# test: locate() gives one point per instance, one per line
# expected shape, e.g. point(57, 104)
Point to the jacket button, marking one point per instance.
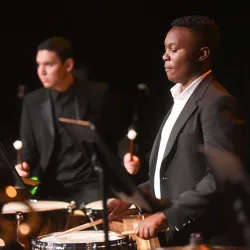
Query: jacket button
point(164, 178)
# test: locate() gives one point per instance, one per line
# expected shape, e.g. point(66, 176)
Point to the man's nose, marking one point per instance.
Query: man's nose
point(165, 57)
point(42, 71)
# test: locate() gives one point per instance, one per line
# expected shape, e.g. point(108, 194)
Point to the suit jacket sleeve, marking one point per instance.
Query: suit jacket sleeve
point(222, 128)
point(29, 149)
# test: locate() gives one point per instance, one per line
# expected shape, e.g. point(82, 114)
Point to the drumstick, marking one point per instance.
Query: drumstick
point(78, 228)
point(18, 146)
point(73, 121)
point(131, 232)
point(131, 136)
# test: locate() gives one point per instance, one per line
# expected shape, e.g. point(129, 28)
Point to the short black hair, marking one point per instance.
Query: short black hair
point(204, 27)
point(60, 45)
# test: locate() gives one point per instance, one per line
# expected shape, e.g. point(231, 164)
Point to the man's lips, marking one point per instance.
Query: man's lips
point(168, 69)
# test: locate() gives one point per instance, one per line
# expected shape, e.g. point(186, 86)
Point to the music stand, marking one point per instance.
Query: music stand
point(10, 174)
point(10, 177)
point(112, 172)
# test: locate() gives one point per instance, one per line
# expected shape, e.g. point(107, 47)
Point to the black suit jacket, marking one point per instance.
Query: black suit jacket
point(211, 117)
point(37, 129)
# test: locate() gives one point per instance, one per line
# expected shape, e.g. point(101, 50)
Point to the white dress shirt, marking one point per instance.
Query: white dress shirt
point(180, 98)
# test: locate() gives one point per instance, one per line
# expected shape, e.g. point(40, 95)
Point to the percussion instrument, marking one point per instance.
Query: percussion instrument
point(130, 222)
point(53, 215)
point(97, 205)
point(37, 206)
point(95, 208)
point(94, 211)
point(82, 240)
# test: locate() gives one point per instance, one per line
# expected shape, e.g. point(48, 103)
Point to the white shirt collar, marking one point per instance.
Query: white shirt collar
point(177, 92)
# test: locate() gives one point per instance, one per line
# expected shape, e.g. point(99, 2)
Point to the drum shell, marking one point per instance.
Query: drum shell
point(42, 217)
point(130, 222)
point(81, 240)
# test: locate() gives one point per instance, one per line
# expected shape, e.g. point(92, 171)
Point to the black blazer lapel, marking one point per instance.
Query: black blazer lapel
point(46, 110)
point(47, 115)
point(187, 111)
point(181, 120)
point(155, 148)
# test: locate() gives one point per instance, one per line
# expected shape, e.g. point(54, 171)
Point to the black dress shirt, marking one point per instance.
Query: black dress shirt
point(70, 168)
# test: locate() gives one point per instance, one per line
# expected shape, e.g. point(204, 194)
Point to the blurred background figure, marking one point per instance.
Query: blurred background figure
point(22, 91)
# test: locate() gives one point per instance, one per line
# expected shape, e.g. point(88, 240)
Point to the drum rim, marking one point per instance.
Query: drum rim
point(37, 242)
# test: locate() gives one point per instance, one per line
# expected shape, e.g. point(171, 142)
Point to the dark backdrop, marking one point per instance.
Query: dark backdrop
point(120, 42)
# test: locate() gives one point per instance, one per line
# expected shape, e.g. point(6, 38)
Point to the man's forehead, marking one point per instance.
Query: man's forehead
point(46, 55)
point(177, 35)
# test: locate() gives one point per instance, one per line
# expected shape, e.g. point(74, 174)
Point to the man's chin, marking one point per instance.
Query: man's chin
point(47, 85)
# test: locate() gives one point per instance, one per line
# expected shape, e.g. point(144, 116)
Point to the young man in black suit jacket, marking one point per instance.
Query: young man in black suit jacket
point(203, 114)
point(48, 152)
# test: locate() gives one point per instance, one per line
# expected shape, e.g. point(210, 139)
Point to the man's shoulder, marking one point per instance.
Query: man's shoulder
point(35, 95)
point(217, 96)
point(215, 91)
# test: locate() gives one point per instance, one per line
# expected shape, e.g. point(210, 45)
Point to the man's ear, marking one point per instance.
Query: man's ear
point(69, 64)
point(204, 53)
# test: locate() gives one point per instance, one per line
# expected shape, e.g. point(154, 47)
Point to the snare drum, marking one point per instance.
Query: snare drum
point(40, 217)
point(52, 215)
point(82, 240)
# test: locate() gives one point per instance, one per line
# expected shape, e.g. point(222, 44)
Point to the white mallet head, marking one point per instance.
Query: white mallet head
point(17, 145)
point(131, 134)
point(142, 86)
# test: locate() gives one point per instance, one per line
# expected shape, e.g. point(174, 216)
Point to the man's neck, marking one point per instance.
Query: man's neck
point(193, 78)
point(66, 84)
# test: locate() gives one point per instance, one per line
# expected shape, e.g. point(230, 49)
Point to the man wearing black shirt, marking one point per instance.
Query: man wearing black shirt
point(65, 172)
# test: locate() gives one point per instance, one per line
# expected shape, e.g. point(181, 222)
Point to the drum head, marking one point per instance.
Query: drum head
point(97, 205)
point(87, 236)
point(37, 206)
